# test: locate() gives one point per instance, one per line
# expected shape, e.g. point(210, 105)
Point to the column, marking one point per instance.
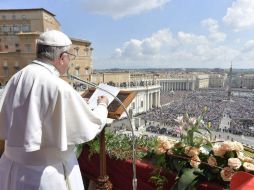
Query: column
point(155, 99)
point(150, 100)
point(159, 99)
point(147, 101)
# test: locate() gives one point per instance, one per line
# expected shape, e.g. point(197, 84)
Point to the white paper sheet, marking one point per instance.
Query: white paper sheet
point(92, 102)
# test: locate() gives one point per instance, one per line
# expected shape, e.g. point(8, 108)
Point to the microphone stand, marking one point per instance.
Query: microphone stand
point(134, 180)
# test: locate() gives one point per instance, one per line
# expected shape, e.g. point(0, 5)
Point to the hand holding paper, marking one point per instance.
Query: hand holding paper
point(92, 102)
point(102, 100)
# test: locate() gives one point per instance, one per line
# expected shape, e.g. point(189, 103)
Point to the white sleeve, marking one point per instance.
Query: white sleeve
point(72, 121)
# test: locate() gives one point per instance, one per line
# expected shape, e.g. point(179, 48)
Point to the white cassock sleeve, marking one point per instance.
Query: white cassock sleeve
point(39, 110)
point(73, 122)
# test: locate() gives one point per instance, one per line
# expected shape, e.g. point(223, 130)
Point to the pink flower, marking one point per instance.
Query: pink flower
point(164, 144)
point(179, 119)
point(160, 150)
point(192, 120)
point(227, 173)
point(212, 161)
point(195, 161)
point(191, 151)
point(179, 129)
point(218, 151)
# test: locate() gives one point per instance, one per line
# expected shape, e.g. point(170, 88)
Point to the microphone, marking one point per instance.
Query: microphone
point(134, 180)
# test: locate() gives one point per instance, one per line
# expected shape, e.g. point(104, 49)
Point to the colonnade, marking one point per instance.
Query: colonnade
point(152, 100)
point(168, 85)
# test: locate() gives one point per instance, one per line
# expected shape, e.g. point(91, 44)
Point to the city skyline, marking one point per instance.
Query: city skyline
point(157, 33)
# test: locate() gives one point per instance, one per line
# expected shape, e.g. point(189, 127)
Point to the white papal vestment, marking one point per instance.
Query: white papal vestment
point(41, 119)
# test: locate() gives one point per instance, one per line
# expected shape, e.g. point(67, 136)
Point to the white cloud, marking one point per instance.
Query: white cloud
point(248, 46)
point(213, 28)
point(132, 48)
point(150, 46)
point(240, 15)
point(163, 49)
point(121, 8)
point(192, 39)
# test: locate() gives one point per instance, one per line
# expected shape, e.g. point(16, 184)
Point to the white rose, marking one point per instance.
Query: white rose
point(227, 146)
point(238, 146)
point(248, 159)
point(248, 166)
point(234, 163)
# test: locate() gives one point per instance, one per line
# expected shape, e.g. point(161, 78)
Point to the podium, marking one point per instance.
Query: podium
point(115, 110)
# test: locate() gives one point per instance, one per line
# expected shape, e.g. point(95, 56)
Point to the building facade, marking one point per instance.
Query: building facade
point(19, 29)
point(177, 84)
point(217, 80)
point(115, 78)
point(202, 81)
point(247, 81)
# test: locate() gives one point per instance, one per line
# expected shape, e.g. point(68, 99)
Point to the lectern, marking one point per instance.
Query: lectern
point(115, 110)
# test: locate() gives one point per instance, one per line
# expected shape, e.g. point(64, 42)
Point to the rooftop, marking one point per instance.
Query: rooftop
point(32, 9)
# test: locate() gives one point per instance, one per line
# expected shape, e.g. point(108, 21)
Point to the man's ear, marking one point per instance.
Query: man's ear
point(60, 59)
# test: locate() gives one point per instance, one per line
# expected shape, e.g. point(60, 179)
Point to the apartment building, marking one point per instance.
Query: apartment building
point(247, 81)
point(19, 29)
point(217, 80)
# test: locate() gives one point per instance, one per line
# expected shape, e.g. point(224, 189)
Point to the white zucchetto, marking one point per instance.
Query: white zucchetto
point(54, 38)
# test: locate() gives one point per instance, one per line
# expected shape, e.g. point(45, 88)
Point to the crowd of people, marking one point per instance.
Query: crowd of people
point(175, 104)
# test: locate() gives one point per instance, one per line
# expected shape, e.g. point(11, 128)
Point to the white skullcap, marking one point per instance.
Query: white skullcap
point(54, 38)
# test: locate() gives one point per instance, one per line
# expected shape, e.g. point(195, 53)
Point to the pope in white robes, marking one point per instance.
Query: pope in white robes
point(41, 119)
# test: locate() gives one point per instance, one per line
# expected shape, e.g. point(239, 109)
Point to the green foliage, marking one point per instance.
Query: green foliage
point(187, 179)
point(158, 179)
point(119, 146)
point(78, 149)
point(191, 135)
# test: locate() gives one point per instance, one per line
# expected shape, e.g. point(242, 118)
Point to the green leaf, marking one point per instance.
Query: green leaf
point(178, 164)
point(186, 179)
point(78, 149)
point(207, 129)
point(207, 147)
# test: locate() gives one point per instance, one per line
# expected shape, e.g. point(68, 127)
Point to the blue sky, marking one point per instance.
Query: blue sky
point(157, 33)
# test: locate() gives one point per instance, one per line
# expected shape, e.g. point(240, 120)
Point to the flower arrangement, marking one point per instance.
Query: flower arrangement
point(196, 158)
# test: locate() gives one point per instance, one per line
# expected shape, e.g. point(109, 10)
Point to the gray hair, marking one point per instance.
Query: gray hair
point(50, 53)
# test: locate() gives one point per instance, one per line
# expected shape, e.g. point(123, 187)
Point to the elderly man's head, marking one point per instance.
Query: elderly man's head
point(53, 47)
